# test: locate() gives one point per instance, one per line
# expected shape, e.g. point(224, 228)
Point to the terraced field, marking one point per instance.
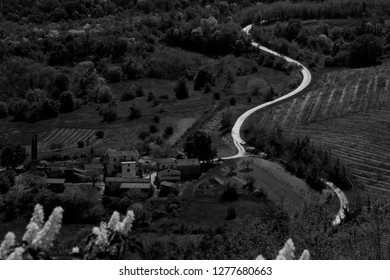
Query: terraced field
point(349, 113)
point(65, 138)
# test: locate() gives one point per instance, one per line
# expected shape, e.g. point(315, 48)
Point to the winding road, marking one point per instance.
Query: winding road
point(239, 142)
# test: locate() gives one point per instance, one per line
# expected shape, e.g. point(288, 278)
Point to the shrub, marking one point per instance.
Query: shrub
point(99, 134)
point(181, 89)
point(139, 92)
point(127, 95)
point(164, 96)
point(135, 113)
point(156, 119)
point(168, 131)
point(104, 94)
point(216, 96)
point(80, 144)
point(229, 194)
point(113, 74)
point(143, 134)
point(204, 77)
point(109, 113)
point(66, 100)
point(153, 128)
point(231, 213)
point(155, 102)
point(232, 101)
point(150, 96)
point(3, 110)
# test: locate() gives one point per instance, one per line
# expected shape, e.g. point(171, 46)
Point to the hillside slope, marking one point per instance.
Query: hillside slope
point(347, 112)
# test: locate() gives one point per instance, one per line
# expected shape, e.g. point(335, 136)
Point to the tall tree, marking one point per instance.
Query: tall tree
point(199, 145)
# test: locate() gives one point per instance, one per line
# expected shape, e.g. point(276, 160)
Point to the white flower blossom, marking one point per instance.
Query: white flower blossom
point(127, 223)
point(32, 230)
point(47, 234)
point(38, 217)
point(102, 235)
point(75, 250)
point(17, 254)
point(7, 244)
point(114, 221)
point(287, 253)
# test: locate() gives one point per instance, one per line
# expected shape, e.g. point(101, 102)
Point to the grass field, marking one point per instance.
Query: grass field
point(347, 112)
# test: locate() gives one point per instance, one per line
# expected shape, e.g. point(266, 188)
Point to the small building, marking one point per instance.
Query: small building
point(166, 163)
point(96, 168)
point(189, 168)
point(136, 186)
point(169, 175)
point(115, 158)
point(114, 184)
point(55, 184)
point(129, 169)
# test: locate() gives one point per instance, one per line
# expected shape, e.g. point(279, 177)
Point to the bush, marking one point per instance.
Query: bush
point(99, 134)
point(204, 77)
point(3, 110)
point(127, 95)
point(156, 119)
point(135, 113)
point(113, 74)
point(104, 94)
point(168, 131)
point(80, 144)
point(66, 100)
point(153, 128)
point(139, 92)
point(163, 96)
point(181, 89)
point(229, 194)
point(231, 214)
point(143, 134)
point(150, 97)
point(216, 96)
point(109, 113)
point(232, 101)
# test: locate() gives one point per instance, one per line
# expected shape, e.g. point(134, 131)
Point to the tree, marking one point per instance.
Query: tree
point(109, 113)
point(13, 156)
point(199, 145)
point(104, 94)
point(135, 113)
point(66, 102)
point(7, 180)
point(34, 148)
point(3, 110)
point(181, 89)
point(204, 77)
point(364, 51)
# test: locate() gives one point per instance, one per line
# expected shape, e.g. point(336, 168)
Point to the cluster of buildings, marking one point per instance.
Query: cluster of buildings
point(123, 171)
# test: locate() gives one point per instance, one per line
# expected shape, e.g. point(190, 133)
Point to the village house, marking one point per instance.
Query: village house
point(113, 185)
point(169, 175)
point(55, 184)
point(129, 169)
point(189, 168)
point(115, 158)
point(165, 163)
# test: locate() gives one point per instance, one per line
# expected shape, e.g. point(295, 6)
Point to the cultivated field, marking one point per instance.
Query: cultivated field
point(65, 138)
point(348, 112)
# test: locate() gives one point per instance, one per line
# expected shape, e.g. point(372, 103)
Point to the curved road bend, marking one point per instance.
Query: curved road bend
point(239, 142)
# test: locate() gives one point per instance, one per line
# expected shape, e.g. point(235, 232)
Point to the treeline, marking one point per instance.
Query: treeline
point(323, 45)
point(301, 158)
point(327, 9)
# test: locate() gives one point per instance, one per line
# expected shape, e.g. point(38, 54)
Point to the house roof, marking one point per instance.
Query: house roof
point(114, 153)
point(53, 181)
point(93, 166)
point(166, 161)
point(169, 170)
point(126, 180)
point(188, 162)
point(127, 162)
point(135, 185)
point(167, 184)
